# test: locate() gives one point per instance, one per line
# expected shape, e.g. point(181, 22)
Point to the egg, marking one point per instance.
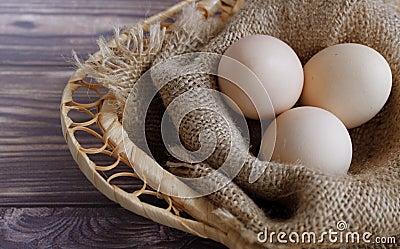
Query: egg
point(260, 73)
point(350, 80)
point(310, 136)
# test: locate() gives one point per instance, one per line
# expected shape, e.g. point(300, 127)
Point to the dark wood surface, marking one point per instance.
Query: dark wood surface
point(45, 201)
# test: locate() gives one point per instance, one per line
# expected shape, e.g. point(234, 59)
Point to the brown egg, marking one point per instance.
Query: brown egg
point(310, 136)
point(350, 80)
point(261, 73)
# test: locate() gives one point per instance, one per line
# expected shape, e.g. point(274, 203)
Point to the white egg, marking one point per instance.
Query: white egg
point(278, 70)
point(310, 136)
point(350, 80)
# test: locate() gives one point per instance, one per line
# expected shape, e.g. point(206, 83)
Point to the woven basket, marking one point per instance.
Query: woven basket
point(103, 122)
point(118, 181)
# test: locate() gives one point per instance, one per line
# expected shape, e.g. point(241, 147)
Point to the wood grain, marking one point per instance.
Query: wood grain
point(88, 228)
point(35, 162)
point(36, 40)
point(37, 170)
point(44, 32)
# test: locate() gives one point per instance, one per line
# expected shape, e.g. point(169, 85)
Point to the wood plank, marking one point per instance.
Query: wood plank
point(35, 50)
point(40, 32)
point(36, 40)
point(89, 228)
point(35, 163)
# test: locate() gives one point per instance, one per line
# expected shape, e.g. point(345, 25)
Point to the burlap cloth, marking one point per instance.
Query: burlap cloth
point(368, 198)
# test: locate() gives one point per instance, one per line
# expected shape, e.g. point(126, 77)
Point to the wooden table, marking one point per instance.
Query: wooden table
point(45, 200)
